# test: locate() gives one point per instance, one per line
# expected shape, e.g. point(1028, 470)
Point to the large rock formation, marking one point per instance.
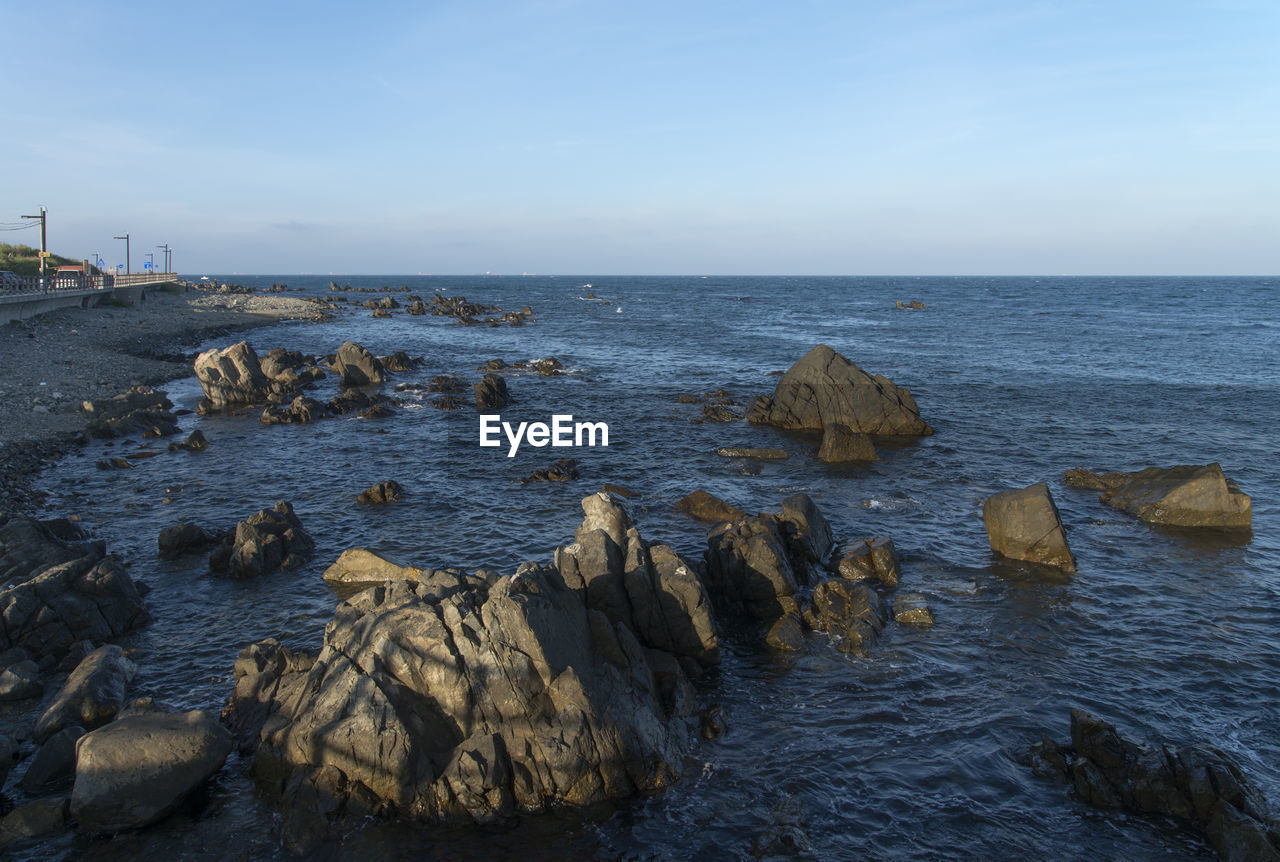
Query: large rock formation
point(357, 366)
point(1195, 784)
point(492, 392)
point(47, 607)
point(755, 565)
point(138, 769)
point(556, 686)
point(232, 376)
point(271, 540)
point(1023, 524)
point(824, 387)
point(1183, 496)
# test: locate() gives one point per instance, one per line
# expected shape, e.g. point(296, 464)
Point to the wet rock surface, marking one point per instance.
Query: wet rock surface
point(1195, 784)
point(1023, 524)
point(842, 445)
point(491, 392)
point(825, 387)
point(486, 697)
point(382, 493)
point(1183, 496)
point(271, 540)
point(706, 507)
point(356, 366)
point(140, 410)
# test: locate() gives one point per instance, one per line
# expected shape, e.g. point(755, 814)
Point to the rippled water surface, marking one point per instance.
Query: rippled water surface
point(912, 752)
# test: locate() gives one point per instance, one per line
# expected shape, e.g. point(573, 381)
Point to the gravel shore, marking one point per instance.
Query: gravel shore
point(51, 364)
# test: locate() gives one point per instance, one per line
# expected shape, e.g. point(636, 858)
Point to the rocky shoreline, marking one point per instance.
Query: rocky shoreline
point(440, 696)
point(54, 363)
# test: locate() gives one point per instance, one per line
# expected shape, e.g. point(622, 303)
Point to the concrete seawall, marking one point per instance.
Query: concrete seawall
point(20, 306)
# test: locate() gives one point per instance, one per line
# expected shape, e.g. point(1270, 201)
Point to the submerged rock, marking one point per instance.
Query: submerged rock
point(135, 771)
point(705, 507)
point(1199, 785)
point(749, 452)
point(824, 388)
point(381, 493)
point(1023, 524)
point(183, 539)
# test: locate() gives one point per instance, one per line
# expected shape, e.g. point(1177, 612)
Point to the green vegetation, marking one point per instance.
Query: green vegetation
point(25, 260)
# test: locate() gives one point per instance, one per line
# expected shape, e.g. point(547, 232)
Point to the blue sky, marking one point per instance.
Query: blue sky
point(658, 137)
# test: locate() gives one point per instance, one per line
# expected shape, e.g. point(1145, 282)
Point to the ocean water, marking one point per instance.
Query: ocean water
point(915, 751)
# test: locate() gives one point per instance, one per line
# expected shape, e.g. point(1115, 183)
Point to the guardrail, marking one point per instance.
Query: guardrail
point(41, 284)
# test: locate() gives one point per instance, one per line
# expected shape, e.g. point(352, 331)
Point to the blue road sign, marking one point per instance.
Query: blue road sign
point(100, 262)
point(147, 265)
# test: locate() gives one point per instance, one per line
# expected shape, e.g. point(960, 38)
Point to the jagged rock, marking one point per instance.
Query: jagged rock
point(20, 681)
point(748, 452)
point(267, 675)
point(807, 533)
point(399, 361)
point(618, 491)
point(1184, 496)
point(492, 392)
point(91, 696)
point(911, 609)
point(232, 376)
point(718, 413)
point(135, 771)
point(272, 540)
point(749, 568)
point(195, 442)
point(54, 763)
point(280, 364)
point(825, 387)
point(851, 613)
point(28, 547)
point(1023, 524)
point(1078, 477)
point(870, 559)
point(141, 410)
point(381, 493)
point(300, 411)
point(488, 696)
point(705, 507)
point(1196, 784)
point(35, 819)
point(354, 400)
point(183, 539)
point(786, 634)
point(841, 444)
point(357, 366)
point(548, 367)
point(91, 597)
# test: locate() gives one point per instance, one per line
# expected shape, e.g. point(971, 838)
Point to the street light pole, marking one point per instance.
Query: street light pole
point(166, 256)
point(127, 268)
point(44, 246)
point(151, 259)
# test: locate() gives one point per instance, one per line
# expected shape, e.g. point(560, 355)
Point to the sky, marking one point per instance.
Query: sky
point(923, 137)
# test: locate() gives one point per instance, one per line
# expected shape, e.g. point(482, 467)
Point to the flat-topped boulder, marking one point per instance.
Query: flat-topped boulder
point(1023, 524)
point(825, 387)
point(1183, 496)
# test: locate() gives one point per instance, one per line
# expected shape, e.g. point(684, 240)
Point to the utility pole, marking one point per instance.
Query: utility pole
point(44, 247)
point(166, 256)
point(127, 268)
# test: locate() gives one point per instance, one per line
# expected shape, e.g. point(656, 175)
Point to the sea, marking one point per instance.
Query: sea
point(917, 750)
